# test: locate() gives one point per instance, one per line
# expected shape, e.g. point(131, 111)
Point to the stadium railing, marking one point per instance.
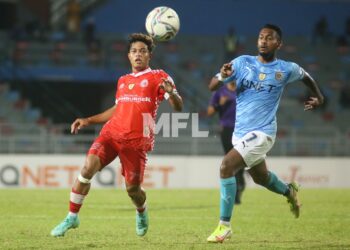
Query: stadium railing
point(56, 139)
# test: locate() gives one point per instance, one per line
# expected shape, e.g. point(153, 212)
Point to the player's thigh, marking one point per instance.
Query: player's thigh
point(101, 153)
point(91, 166)
point(253, 147)
point(133, 163)
point(233, 160)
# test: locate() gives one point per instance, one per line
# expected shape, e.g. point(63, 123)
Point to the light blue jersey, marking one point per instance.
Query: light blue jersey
point(259, 90)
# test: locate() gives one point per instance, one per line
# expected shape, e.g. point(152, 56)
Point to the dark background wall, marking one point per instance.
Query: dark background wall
point(215, 17)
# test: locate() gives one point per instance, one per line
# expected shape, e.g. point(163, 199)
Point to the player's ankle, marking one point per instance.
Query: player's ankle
point(141, 209)
point(287, 193)
point(225, 223)
point(71, 214)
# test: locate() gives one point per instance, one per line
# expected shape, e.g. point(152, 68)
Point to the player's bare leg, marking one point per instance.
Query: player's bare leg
point(137, 194)
point(80, 189)
point(240, 185)
point(268, 179)
point(138, 197)
point(260, 174)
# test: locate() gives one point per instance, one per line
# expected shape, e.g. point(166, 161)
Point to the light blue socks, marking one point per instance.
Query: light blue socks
point(276, 185)
point(228, 190)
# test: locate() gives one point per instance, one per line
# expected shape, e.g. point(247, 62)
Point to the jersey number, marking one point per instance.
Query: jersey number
point(254, 136)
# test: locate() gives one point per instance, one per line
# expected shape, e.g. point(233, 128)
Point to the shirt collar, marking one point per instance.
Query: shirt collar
point(141, 72)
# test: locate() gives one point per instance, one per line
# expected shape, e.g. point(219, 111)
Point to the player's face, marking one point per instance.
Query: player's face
point(139, 56)
point(268, 42)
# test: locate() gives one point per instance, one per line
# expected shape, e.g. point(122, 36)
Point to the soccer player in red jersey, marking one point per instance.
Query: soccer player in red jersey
point(125, 134)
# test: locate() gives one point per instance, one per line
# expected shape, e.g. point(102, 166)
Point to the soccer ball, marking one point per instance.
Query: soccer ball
point(162, 23)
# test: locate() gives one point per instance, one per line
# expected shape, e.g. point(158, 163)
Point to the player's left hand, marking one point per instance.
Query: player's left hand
point(312, 103)
point(167, 85)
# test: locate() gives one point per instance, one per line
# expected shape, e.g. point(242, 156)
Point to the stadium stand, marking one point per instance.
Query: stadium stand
point(192, 67)
point(44, 75)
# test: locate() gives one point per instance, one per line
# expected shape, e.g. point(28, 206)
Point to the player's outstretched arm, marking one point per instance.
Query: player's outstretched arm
point(317, 98)
point(225, 72)
point(80, 123)
point(175, 99)
point(214, 84)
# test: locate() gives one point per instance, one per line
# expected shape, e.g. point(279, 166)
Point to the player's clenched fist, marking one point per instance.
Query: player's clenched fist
point(226, 70)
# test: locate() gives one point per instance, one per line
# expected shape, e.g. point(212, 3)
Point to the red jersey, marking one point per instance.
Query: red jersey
point(137, 98)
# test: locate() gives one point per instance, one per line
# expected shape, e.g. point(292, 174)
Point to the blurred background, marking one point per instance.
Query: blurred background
point(60, 60)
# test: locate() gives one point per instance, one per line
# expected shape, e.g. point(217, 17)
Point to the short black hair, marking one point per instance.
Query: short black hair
point(275, 28)
point(140, 37)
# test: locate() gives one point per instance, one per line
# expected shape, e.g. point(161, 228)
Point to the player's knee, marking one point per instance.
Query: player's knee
point(226, 168)
point(87, 173)
point(90, 168)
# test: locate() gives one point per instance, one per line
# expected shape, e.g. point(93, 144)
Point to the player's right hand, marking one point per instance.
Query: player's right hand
point(312, 103)
point(78, 124)
point(226, 70)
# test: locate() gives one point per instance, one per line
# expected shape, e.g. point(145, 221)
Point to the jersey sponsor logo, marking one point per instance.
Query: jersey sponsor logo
point(133, 99)
point(258, 86)
point(131, 86)
point(278, 76)
point(262, 76)
point(144, 83)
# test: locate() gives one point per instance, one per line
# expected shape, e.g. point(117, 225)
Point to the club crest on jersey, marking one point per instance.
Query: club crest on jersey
point(144, 83)
point(131, 86)
point(278, 76)
point(262, 76)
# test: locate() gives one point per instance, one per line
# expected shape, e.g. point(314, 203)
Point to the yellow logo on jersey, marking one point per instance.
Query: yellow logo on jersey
point(131, 86)
point(262, 76)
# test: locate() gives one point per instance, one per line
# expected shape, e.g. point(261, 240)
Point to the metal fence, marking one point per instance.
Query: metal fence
point(56, 139)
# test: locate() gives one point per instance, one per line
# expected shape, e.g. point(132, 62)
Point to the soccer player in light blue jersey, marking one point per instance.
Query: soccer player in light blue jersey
point(260, 81)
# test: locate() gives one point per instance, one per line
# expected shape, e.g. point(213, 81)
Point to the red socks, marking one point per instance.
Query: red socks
point(75, 202)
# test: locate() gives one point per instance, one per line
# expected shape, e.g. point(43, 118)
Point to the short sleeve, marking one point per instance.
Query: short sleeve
point(297, 73)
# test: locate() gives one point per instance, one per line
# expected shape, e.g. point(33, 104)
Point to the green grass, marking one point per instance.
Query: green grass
point(179, 219)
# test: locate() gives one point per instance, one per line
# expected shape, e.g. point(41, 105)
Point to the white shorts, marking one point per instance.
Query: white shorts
point(253, 147)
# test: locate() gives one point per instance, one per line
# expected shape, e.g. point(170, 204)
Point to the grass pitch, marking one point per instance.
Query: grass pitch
point(179, 219)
